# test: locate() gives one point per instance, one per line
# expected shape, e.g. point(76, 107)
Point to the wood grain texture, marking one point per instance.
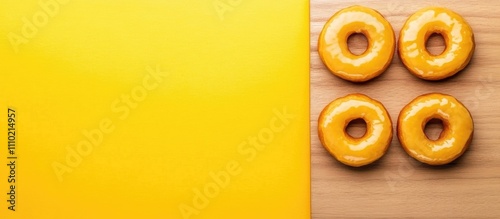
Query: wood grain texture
point(396, 185)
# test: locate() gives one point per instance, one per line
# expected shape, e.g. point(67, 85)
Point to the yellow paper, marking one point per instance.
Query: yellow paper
point(154, 109)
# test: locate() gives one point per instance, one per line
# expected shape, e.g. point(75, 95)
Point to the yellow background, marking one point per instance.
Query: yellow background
point(229, 66)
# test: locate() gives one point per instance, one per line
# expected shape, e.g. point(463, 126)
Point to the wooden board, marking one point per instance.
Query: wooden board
point(397, 185)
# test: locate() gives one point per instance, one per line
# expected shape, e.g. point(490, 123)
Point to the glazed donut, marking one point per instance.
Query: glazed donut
point(355, 152)
point(335, 54)
point(455, 138)
point(456, 32)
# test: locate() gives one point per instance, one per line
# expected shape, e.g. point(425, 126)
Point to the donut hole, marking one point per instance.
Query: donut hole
point(357, 43)
point(435, 44)
point(356, 128)
point(433, 129)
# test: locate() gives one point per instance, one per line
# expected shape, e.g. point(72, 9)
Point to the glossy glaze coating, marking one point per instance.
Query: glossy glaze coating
point(458, 128)
point(355, 152)
point(335, 54)
point(456, 32)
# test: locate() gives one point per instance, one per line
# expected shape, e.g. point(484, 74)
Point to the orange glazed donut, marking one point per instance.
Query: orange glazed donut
point(355, 152)
point(458, 37)
point(334, 52)
point(455, 138)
